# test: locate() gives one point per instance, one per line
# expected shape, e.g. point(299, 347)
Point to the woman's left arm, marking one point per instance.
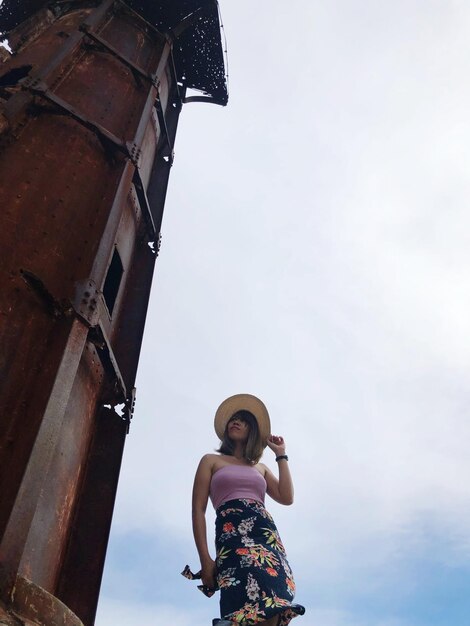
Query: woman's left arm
point(280, 489)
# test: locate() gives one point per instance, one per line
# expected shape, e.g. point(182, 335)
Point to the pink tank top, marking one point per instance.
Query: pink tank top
point(232, 482)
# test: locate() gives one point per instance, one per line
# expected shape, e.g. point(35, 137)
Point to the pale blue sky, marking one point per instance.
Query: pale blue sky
point(316, 253)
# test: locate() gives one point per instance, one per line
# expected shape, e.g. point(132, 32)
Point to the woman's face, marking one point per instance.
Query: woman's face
point(238, 429)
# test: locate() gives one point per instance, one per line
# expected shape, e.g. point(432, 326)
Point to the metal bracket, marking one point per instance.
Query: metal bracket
point(133, 152)
point(86, 302)
point(84, 305)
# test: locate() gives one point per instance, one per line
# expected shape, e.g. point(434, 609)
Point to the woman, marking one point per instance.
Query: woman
point(251, 569)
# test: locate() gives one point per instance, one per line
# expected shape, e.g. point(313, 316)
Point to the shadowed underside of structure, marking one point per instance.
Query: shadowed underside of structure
point(89, 106)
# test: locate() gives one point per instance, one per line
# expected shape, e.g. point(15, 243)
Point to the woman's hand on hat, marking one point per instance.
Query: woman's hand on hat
point(277, 444)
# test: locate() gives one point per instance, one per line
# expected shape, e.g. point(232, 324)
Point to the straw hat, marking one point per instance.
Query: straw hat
point(243, 402)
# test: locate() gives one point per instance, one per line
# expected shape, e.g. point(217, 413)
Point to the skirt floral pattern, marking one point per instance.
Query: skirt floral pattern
point(253, 574)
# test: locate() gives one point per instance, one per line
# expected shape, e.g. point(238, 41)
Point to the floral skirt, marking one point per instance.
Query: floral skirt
point(253, 574)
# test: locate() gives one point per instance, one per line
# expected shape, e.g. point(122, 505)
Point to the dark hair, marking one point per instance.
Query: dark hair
point(253, 449)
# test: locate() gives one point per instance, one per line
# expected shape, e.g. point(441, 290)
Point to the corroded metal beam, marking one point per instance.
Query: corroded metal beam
point(85, 137)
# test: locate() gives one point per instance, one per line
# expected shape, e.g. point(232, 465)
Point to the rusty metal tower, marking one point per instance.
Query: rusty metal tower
point(89, 106)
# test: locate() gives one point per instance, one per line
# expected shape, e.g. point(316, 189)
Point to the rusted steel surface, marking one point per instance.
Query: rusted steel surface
point(88, 116)
point(83, 564)
point(55, 508)
point(44, 49)
point(198, 57)
point(31, 601)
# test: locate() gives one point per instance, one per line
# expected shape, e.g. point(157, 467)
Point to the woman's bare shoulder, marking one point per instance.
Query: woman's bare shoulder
point(262, 469)
point(209, 459)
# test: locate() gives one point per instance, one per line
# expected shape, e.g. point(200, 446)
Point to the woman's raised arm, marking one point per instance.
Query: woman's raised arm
point(280, 489)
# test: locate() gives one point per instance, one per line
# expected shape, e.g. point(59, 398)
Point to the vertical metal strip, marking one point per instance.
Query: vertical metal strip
point(21, 518)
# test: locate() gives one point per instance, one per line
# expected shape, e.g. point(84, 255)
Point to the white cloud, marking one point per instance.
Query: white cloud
point(316, 253)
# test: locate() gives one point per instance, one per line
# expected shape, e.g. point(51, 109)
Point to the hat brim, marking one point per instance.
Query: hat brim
point(243, 402)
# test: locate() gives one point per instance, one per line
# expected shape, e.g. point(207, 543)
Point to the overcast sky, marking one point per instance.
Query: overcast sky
point(316, 253)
